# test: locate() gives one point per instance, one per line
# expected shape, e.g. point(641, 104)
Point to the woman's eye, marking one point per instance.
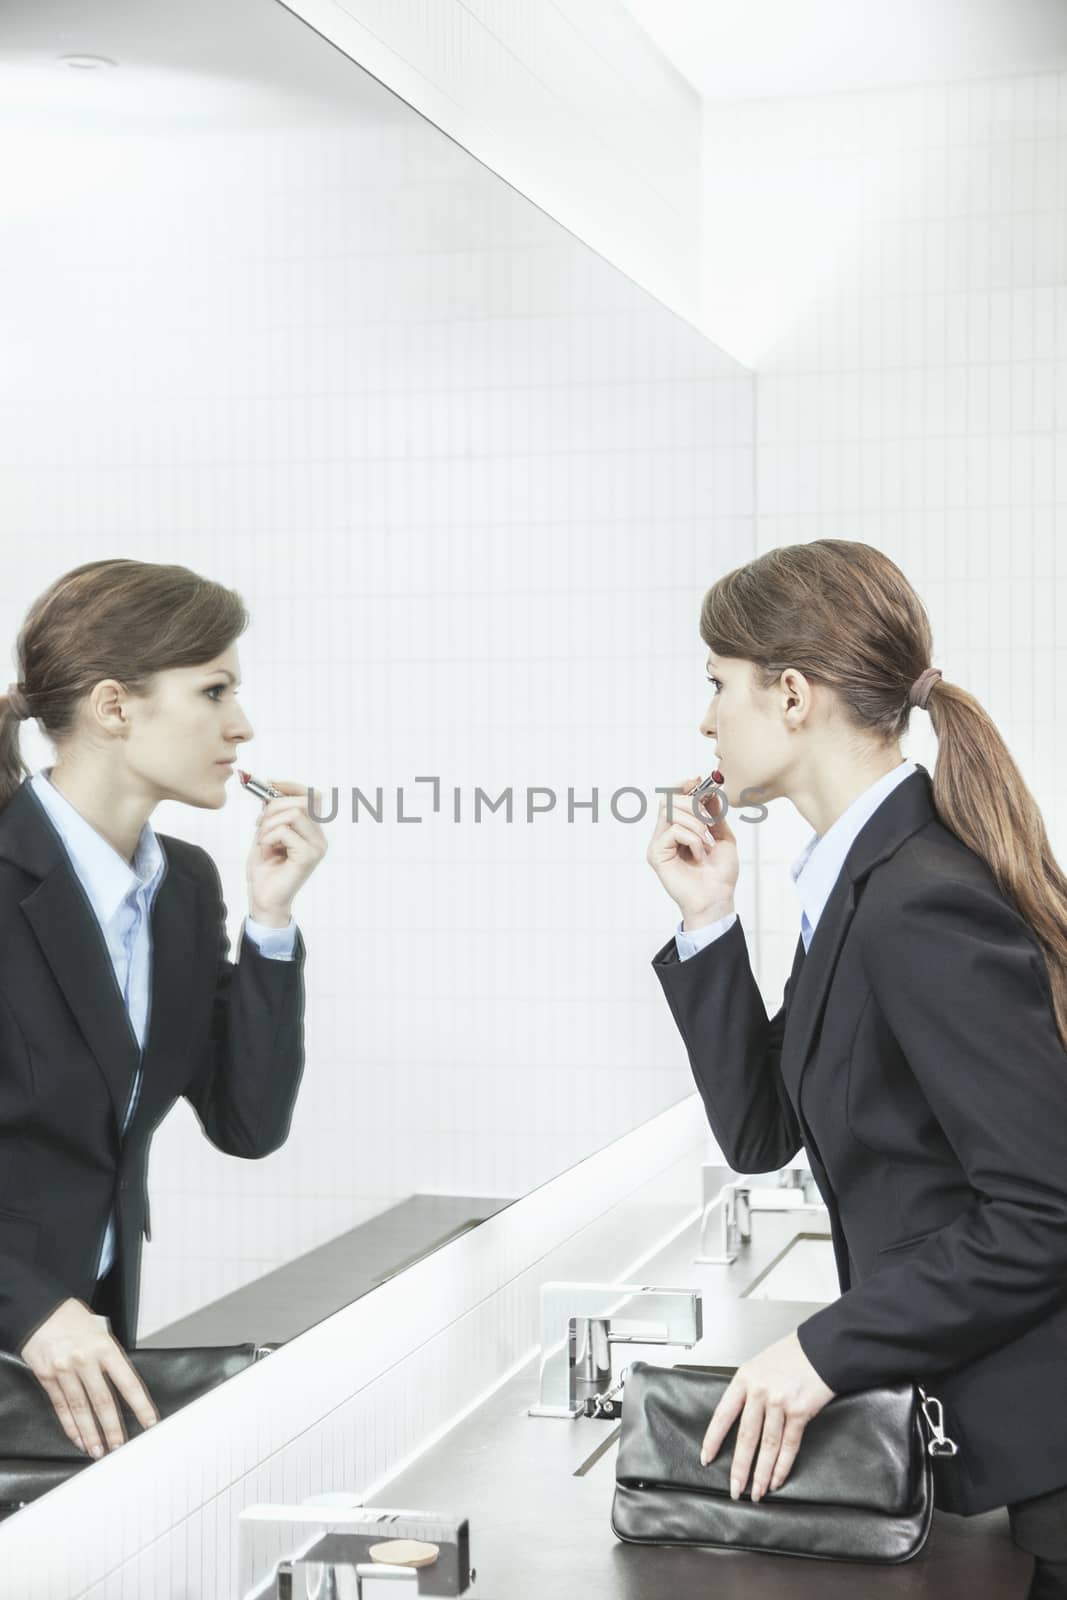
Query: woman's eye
point(216, 688)
point(715, 681)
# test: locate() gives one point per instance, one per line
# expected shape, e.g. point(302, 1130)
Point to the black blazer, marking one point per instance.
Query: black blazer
point(917, 1060)
point(229, 1038)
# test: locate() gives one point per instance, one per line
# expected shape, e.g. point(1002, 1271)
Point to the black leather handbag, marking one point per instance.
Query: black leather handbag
point(860, 1488)
point(35, 1453)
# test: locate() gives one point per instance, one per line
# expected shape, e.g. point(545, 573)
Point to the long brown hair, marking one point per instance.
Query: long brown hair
point(110, 619)
point(844, 615)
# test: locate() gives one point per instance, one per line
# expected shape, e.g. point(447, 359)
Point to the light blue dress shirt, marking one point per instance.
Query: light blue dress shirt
point(121, 897)
point(816, 869)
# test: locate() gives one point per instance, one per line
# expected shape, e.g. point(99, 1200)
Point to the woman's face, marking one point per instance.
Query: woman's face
point(177, 737)
point(751, 729)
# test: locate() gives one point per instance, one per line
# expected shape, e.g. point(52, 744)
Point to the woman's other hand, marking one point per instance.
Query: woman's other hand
point(776, 1394)
point(73, 1354)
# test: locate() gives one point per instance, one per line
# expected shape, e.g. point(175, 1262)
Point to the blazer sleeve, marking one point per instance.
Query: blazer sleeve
point(734, 1050)
point(245, 1086)
point(963, 986)
point(28, 1296)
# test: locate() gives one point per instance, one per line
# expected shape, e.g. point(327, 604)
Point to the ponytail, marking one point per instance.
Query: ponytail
point(13, 768)
point(999, 819)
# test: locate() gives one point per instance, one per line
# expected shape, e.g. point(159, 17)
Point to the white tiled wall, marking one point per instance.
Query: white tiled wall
point(569, 100)
point(471, 482)
point(895, 264)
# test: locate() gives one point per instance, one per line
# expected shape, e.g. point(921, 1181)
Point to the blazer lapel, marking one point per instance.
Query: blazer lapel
point(808, 994)
point(909, 807)
point(799, 957)
point(74, 948)
point(65, 926)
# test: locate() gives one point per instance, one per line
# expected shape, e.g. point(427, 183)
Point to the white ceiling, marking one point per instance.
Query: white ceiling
point(227, 63)
point(181, 65)
point(745, 49)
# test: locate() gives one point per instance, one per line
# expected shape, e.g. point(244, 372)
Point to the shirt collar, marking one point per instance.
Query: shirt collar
point(818, 867)
point(107, 878)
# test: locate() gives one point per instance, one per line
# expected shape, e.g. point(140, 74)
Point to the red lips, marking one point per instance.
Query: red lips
point(717, 775)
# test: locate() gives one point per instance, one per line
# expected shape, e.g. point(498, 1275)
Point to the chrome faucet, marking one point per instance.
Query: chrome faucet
point(802, 1178)
point(737, 1199)
point(579, 1324)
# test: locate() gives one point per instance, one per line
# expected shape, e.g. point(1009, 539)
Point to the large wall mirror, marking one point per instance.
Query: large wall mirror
point(261, 318)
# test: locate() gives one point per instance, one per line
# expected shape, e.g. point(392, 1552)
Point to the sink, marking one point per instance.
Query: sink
point(804, 1270)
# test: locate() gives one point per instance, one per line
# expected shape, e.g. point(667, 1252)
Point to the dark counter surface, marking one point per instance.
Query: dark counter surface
point(538, 1495)
point(301, 1293)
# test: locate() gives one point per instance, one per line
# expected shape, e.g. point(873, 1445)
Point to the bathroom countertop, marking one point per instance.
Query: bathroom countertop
point(291, 1298)
point(538, 1495)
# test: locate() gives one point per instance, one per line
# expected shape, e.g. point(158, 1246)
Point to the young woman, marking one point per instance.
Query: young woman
point(116, 994)
point(919, 1053)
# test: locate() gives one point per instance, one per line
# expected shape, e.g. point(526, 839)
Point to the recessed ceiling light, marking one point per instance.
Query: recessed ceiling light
point(88, 63)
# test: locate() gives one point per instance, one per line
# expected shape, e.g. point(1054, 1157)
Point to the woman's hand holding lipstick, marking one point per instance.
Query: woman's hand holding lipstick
point(695, 860)
point(288, 846)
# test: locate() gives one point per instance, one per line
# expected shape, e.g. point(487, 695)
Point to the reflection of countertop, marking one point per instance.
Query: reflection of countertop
point(539, 1507)
point(294, 1297)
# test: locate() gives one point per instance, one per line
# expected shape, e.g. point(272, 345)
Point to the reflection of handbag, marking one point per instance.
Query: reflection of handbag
point(860, 1488)
point(37, 1455)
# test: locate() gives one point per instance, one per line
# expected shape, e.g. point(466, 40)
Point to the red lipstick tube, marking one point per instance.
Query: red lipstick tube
point(704, 787)
point(261, 790)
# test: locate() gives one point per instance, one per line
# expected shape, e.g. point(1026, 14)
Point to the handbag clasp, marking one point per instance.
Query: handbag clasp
point(940, 1444)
